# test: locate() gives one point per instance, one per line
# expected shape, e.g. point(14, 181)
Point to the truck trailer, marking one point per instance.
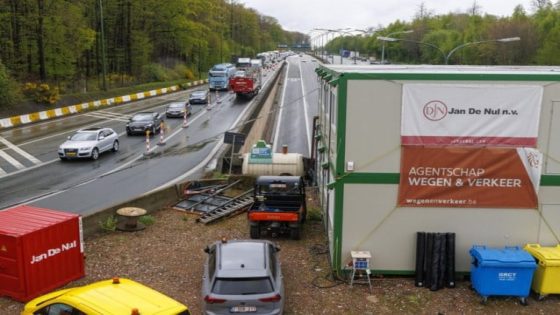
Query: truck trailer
point(247, 80)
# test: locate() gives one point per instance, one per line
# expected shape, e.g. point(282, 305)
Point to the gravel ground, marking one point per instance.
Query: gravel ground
point(168, 256)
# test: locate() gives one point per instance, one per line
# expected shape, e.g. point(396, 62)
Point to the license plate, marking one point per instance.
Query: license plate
point(71, 154)
point(243, 309)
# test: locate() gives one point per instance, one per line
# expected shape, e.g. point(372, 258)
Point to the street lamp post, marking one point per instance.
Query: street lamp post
point(389, 36)
point(499, 40)
point(448, 55)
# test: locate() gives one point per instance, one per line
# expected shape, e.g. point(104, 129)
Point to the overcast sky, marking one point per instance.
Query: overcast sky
point(304, 15)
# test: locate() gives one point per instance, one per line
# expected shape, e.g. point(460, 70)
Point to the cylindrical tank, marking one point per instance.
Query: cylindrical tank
point(281, 164)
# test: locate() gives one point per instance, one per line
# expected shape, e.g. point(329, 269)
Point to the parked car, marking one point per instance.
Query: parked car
point(242, 276)
point(199, 97)
point(107, 297)
point(89, 143)
point(143, 121)
point(178, 109)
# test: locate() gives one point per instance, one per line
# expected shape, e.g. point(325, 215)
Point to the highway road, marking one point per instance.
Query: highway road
point(294, 125)
point(33, 174)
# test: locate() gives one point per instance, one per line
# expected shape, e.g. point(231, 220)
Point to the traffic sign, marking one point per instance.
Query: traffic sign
point(234, 138)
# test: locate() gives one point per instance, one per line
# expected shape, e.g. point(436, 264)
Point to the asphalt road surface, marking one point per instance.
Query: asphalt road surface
point(294, 125)
point(33, 174)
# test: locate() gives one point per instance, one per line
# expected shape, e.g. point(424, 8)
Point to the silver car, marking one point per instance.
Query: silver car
point(242, 276)
point(89, 143)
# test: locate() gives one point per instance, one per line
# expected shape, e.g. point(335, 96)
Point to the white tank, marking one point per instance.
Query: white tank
point(280, 164)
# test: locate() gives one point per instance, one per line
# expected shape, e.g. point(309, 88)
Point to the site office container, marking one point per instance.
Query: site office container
point(547, 277)
point(40, 250)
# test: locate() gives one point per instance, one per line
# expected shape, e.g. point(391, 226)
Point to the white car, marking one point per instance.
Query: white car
point(89, 143)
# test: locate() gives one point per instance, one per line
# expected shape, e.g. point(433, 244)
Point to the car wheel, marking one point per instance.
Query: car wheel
point(94, 154)
point(128, 133)
point(115, 146)
point(294, 233)
point(255, 231)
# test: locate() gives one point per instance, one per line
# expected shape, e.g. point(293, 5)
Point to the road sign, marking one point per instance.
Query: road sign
point(234, 138)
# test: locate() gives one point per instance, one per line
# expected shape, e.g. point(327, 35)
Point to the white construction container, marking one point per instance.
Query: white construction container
point(471, 150)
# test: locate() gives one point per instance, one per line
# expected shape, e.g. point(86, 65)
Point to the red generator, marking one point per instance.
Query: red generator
point(40, 250)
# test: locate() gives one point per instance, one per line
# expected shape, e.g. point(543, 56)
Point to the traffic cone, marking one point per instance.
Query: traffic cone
point(147, 152)
point(161, 134)
point(185, 120)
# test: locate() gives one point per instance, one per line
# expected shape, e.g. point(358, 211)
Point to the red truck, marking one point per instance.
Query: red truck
point(247, 81)
point(279, 206)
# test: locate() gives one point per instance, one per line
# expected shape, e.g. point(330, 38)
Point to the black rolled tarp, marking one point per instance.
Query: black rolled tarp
point(435, 260)
point(420, 252)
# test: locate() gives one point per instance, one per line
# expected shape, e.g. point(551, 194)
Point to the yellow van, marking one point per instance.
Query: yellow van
point(118, 296)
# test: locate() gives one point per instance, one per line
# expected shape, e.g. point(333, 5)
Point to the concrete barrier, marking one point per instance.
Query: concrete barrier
point(15, 121)
point(155, 201)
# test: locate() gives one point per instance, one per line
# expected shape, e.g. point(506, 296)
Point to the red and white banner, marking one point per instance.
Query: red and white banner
point(471, 114)
point(469, 177)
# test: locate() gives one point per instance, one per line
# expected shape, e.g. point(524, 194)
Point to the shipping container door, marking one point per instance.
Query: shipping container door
point(10, 266)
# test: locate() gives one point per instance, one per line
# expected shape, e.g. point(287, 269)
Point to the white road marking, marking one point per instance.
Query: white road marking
point(113, 114)
point(105, 116)
point(279, 121)
point(2, 172)
point(26, 155)
point(305, 112)
point(11, 160)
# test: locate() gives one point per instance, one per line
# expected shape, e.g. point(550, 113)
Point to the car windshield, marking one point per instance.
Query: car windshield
point(84, 136)
point(199, 93)
point(242, 286)
point(217, 74)
point(176, 106)
point(142, 117)
point(279, 188)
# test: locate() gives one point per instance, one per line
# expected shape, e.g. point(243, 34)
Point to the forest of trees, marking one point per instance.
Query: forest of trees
point(539, 32)
point(64, 44)
point(59, 42)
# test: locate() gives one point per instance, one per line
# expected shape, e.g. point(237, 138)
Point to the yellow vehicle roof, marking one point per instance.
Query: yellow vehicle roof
point(119, 298)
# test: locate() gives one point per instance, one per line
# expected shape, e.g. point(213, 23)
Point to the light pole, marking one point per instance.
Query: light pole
point(341, 31)
point(389, 36)
point(499, 40)
point(448, 55)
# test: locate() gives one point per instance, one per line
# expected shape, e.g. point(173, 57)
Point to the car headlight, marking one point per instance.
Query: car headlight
point(84, 149)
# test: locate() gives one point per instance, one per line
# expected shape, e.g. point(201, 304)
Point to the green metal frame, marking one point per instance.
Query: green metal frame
point(332, 77)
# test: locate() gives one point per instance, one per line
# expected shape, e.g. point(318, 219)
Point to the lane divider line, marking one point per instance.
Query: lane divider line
point(11, 160)
point(26, 155)
point(107, 117)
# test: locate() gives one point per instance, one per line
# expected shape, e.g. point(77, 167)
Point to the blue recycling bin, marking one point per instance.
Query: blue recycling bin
point(506, 272)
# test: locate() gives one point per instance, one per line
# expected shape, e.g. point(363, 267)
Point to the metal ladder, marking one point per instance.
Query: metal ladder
point(227, 208)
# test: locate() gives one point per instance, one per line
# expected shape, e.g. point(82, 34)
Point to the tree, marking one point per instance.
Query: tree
point(9, 91)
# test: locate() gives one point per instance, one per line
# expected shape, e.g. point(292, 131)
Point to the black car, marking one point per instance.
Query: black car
point(177, 109)
point(199, 97)
point(143, 121)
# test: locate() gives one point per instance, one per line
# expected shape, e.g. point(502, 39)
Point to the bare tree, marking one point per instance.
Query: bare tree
point(423, 12)
point(540, 4)
point(475, 9)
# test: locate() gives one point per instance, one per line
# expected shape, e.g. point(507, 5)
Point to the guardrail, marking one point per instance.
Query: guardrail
point(15, 121)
